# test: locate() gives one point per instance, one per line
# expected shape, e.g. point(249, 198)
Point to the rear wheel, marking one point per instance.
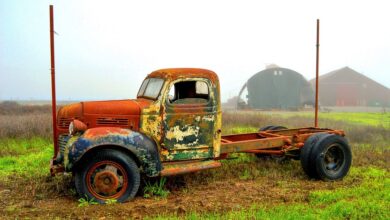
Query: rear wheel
point(330, 158)
point(108, 175)
point(306, 152)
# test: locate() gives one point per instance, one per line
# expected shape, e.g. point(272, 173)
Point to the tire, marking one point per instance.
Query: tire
point(332, 157)
point(268, 156)
point(305, 154)
point(266, 128)
point(107, 175)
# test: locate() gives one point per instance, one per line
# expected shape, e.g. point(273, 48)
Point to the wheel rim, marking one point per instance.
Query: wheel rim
point(107, 180)
point(333, 158)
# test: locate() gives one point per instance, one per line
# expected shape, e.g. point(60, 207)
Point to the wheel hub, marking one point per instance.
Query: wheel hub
point(333, 158)
point(106, 182)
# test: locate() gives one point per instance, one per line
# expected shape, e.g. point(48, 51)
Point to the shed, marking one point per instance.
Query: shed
point(277, 88)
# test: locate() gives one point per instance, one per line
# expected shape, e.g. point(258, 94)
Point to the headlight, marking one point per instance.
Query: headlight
point(71, 128)
point(76, 126)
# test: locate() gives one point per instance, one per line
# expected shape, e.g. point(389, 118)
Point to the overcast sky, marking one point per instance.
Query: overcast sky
point(104, 49)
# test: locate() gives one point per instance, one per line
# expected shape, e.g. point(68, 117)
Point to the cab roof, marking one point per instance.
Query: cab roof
point(183, 73)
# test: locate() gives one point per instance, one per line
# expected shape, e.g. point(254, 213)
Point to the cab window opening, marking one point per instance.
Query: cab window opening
point(189, 92)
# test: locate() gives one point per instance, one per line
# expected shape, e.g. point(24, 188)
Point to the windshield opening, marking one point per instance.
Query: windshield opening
point(151, 88)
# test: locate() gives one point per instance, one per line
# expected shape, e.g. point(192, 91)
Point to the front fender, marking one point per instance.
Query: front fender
point(139, 144)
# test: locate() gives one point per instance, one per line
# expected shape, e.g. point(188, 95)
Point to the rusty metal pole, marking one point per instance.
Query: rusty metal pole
point(53, 83)
point(317, 67)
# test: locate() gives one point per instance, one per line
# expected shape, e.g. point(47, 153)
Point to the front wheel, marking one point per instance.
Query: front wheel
point(107, 175)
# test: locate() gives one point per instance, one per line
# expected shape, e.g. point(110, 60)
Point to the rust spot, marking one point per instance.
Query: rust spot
point(102, 131)
point(184, 73)
point(79, 126)
point(171, 169)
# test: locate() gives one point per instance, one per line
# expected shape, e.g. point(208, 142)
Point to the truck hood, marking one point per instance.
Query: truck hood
point(117, 113)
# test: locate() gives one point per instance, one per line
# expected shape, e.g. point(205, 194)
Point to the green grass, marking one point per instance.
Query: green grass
point(357, 118)
point(27, 158)
point(15, 147)
point(156, 189)
point(368, 200)
point(234, 129)
point(363, 118)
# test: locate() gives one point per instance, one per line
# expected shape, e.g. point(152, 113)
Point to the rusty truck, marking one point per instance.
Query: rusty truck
point(174, 127)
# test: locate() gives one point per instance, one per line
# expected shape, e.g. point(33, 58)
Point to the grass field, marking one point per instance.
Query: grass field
point(243, 188)
point(356, 118)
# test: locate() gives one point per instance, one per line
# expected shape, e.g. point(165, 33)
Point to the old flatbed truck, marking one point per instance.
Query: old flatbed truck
point(174, 127)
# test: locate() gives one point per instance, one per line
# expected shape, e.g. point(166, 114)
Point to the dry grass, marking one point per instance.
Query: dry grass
point(25, 121)
point(13, 108)
point(27, 125)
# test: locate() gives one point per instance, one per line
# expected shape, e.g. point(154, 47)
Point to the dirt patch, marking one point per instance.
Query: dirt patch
point(207, 191)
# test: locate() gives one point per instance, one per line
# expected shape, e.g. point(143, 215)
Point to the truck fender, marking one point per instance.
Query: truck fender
point(141, 146)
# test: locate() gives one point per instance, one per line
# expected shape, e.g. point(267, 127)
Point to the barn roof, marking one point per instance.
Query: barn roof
point(347, 75)
point(347, 87)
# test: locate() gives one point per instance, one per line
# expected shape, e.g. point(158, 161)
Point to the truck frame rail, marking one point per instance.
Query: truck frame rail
point(276, 142)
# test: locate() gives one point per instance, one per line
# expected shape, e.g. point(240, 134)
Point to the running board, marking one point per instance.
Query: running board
point(176, 168)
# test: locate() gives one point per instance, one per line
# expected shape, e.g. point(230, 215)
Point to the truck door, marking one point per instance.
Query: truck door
point(188, 120)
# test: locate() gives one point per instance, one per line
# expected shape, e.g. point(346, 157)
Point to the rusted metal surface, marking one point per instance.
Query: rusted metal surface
point(253, 144)
point(78, 126)
point(53, 83)
point(317, 73)
point(107, 180)
point(271, 142)
point(56, 168)
point(187, 129)
point(273, 152)
point(115, 113)
point(171, 169)
point(185, 73)
point(138, 145)
point(181, 131)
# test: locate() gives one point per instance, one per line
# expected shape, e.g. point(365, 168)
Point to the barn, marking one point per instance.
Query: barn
point(276, 88)
point(347, 87)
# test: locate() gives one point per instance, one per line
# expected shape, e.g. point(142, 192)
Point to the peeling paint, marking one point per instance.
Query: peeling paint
point(138, 144)
point(208, 118)
point(180, 134)
point(190, 125)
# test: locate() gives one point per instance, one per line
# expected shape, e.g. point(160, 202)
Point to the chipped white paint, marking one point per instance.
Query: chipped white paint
point(208, 118)
point(179, 135)
point(187, 145)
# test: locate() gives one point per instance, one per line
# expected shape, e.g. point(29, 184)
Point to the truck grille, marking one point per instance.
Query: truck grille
point(112, 121)
point(64, 122)
point(62, 140)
